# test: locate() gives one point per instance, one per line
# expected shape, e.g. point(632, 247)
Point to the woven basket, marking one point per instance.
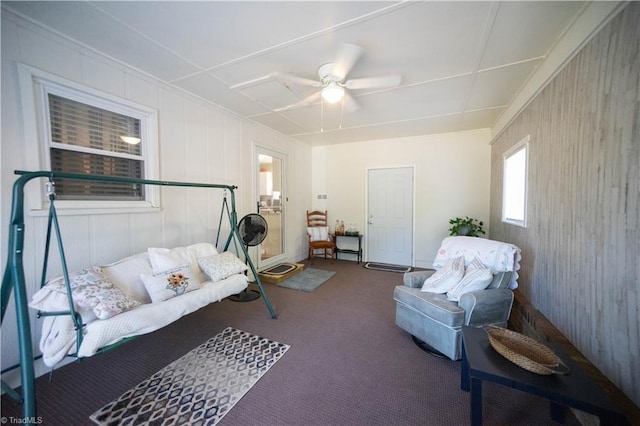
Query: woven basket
point(525, 352)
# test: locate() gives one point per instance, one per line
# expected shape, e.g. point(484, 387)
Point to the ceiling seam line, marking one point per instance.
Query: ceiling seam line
point(347, 23)
point(491, 19)
point(145, 36)
point(381, 123)
point(498, 67)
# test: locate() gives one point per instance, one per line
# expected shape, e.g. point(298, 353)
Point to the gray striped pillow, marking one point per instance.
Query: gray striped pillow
point(446, 277)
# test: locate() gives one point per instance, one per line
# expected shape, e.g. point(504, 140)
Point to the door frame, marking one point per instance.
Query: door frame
point(265, 150)
point(413, 210)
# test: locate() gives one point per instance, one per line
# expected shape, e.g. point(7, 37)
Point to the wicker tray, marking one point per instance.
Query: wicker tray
point(525, 352)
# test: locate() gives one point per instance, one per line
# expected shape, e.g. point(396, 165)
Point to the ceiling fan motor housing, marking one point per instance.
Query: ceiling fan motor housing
point(326, 78)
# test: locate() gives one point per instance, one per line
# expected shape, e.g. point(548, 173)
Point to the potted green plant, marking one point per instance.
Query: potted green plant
point(468, 226)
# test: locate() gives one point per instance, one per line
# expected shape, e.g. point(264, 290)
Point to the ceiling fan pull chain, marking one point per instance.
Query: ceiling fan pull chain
point(341, 113)
point(321, 115)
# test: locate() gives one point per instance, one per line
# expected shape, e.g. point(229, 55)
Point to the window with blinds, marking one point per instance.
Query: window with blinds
point(86, 139)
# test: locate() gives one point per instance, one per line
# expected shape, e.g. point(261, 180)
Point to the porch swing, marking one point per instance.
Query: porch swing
point(14, 277)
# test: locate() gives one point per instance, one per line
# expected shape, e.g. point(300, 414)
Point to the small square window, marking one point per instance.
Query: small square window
point(514, 189)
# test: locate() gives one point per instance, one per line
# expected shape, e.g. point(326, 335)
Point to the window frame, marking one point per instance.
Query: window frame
point(523, 144)
point(35, 85)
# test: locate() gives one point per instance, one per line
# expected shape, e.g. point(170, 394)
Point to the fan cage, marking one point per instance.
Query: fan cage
point(253, 229)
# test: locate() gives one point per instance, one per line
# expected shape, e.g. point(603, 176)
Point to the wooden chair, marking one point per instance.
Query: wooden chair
point(319, 236)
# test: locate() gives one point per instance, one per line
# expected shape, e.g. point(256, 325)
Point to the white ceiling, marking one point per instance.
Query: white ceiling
point(463, 64)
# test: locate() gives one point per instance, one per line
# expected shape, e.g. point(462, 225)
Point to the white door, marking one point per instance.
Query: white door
point(390, 216)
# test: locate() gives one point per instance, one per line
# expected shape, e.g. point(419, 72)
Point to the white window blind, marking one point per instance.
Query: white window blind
point(86, 139)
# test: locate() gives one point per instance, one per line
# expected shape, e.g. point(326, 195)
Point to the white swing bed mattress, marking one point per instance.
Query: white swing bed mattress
point(58, 338)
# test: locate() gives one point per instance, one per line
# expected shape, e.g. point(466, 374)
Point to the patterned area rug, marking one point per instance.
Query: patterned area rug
point(199, 388)
point(307, 280)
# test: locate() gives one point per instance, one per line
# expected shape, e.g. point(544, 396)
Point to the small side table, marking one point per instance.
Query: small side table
point(480, 362)
point(356, 252)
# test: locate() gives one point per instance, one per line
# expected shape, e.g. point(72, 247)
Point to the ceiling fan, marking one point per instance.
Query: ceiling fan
point(333, 83)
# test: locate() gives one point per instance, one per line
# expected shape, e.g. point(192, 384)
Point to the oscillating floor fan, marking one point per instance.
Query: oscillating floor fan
point(253, 230)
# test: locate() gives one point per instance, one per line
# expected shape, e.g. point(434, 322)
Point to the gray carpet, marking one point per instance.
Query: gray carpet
point(199, 388)
point(349, 364)
point(307, 280)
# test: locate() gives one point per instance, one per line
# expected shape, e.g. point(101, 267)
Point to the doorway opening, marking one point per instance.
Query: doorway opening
point(270, 191)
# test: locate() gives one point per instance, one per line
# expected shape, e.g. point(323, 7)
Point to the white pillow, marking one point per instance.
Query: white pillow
point(446, 277)
point(476, 263)
point(202, 250)
point(170, 283)
point(318, 233)
point(125, 274)
point(162, 258)
point(221, 266)
point(91, 290)
point(474, 279)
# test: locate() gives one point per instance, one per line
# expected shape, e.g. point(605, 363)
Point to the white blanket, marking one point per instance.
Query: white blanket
point(496, 255)
point(59, 335)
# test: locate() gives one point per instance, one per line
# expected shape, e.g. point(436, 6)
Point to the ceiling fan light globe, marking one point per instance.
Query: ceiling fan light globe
point(333, 93)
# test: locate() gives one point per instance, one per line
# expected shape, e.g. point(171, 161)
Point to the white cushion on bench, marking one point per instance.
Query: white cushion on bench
point(59, 337)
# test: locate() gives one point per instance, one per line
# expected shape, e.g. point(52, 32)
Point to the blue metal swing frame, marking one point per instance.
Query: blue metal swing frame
point(14, 280)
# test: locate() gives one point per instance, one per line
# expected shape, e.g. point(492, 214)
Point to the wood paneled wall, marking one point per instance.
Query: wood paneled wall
point(580, 260)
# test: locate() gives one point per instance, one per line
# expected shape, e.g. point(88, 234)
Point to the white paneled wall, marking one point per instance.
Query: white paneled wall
point(452, 175)
point(198, 142)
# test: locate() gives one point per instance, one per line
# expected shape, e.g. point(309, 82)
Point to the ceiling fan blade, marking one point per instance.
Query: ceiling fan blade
point(374, 82)
point(306, 101)
point(350, 104)
point(290, 78)
point(348, 55)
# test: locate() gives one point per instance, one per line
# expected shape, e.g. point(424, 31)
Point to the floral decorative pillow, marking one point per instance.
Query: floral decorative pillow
point(91, 291)
point(221, 266)
point(446, 277)
point(105, 301)
point(170, 283)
